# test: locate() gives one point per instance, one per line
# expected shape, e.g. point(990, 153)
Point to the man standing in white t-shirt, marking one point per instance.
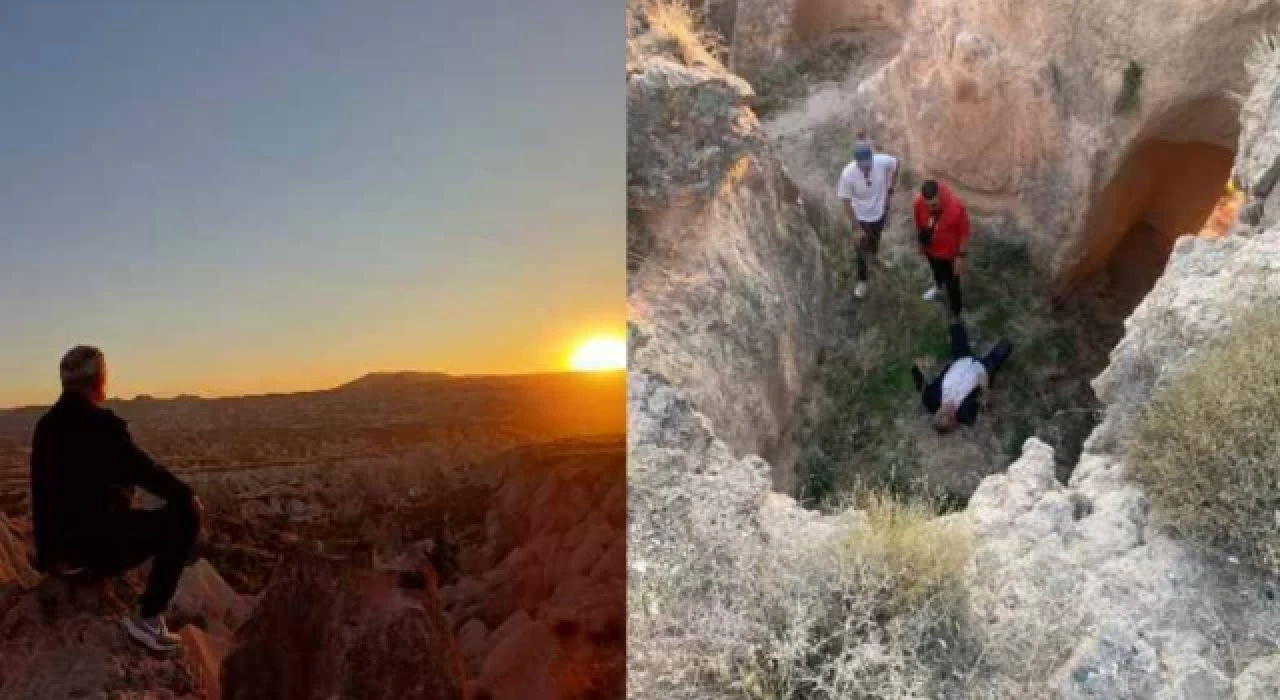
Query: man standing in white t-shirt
point(865, 186)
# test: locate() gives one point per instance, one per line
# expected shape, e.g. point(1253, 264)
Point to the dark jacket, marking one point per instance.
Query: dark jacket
point(84, 467)
point(931, 395)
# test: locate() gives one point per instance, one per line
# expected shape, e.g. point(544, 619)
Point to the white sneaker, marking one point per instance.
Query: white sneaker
point(860, 291)
point(931, 294)
point(151, 633)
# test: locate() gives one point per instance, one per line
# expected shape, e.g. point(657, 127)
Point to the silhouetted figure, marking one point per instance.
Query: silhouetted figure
point(956, 394)
point(84, 468)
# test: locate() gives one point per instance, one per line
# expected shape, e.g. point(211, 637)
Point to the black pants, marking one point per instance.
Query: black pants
point(166, 536)
point(870, 244)
point(944, 276)
point(991, 361)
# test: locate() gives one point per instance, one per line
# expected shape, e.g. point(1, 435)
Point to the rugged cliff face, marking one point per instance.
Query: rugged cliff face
point(1135, 611)
point(729, 281)
point(1086, 574)
point(1106, 128)
point(1074, 590)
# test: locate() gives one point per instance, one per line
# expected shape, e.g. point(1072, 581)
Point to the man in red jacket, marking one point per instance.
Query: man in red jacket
point(942, 227)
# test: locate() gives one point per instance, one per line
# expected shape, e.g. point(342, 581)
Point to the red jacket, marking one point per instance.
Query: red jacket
point(951, 231)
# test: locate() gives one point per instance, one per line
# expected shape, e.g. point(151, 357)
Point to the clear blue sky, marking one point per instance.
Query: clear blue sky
point(235, 197)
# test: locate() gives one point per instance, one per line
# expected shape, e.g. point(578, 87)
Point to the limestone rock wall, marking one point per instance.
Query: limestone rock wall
point(729, 281)
point(1079, 577)
point(1017, 103)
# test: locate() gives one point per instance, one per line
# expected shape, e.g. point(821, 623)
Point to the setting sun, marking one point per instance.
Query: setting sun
point(599, 354)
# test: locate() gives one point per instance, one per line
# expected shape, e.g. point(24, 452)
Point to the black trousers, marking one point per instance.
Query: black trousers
point(960, 348)
point(166, 536)
point(944, 275)
point(870, 244)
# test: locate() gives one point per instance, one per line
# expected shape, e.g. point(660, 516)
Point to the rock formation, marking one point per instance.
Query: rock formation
point(63, 641)
point(15, 568)
point(540, 611)
point(1077, 590)
point(1068, 115)
point(1140, 613)
point(327, 629)
point(728, 279)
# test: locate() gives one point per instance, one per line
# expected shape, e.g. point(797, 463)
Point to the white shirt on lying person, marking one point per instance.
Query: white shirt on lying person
point(964, 375)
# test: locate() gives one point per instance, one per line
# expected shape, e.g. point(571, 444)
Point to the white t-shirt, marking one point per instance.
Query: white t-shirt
point(962, 377)
point(868, 198)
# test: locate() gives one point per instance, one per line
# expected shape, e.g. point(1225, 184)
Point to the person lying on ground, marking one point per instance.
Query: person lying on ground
point(942, 230)
point(865, 186)
point(84, 469)
point(957, 394)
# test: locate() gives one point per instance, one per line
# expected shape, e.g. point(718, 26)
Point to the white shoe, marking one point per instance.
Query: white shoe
point(151, 633)
point(860, 291)
point(931, 294)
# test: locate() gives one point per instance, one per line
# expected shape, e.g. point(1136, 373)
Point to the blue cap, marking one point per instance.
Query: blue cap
point(862, 152)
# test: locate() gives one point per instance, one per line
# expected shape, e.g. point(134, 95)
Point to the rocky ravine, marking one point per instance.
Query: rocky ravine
point(1077, 590)
point(534, 607)
point(1026, 107)
point(729, 279)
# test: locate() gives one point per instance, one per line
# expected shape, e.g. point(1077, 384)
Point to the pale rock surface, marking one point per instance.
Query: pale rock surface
point(202, 593)
point(1076, 590)
point(989, 94)
point(1081, 569)
point(1259, 680)
point(729, 281)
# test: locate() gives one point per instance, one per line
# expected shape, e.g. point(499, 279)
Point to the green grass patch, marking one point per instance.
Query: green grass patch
point(863, 434)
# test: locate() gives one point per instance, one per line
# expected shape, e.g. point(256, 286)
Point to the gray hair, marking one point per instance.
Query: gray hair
point(81, 368)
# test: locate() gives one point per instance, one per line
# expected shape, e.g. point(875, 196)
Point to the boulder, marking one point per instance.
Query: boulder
point(15, 564)
point(325, 629)
point(203, 594)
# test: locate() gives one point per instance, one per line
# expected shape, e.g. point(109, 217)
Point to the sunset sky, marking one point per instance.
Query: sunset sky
point(242, 197)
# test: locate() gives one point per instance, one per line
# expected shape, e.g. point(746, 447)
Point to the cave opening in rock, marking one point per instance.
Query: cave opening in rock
point(1172, 183)
point(1164, 190)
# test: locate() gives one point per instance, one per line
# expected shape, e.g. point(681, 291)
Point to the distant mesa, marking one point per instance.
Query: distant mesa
point(394, 380)
point(152, 398)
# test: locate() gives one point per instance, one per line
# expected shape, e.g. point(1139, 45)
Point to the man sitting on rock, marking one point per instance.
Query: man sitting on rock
point(84, 468)
point(958, 392)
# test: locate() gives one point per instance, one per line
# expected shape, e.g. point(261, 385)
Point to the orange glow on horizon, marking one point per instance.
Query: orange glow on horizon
point(599, 354)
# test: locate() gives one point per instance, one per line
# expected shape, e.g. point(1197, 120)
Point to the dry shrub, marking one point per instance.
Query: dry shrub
point(675, 28)
point(875, 610)
point(879, 613)
point(1263, 55)
point(1207, 448)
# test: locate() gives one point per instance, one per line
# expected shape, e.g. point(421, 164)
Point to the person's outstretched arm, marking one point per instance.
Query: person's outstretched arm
point(133, 467)
point(930, 391)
